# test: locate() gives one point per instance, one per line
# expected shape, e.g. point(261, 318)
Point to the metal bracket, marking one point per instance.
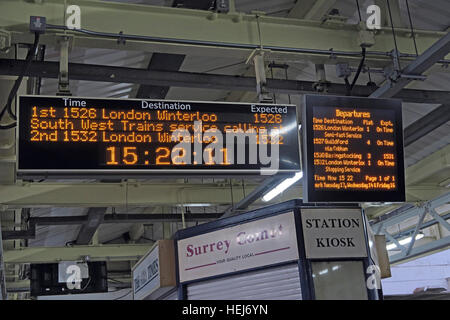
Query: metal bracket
point(366, 38)
point(331, 19)
point(222, 6)
point(393, 75)
point(257, 57)
point(5, 40)
point(3, 294)
point(322, 84)
point(64, 42)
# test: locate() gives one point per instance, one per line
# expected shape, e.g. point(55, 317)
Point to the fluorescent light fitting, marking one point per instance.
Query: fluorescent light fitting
point(282, 186)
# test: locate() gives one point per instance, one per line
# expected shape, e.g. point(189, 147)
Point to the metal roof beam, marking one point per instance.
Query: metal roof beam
point(94, 219)
point(110, 218)
point(201, 80)
point(166, 61)
point(161, 62)
point(129, 252)
point(421, 250)
point(427, 124)
point(253, 196)
point(197, 32)
point(311, 9)
point(113, 194)
point(2, 268)
point(413, 212)
point(422, 63)
point(123, 218)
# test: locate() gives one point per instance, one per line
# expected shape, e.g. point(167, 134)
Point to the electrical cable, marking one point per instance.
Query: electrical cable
point(17, 83)
point(412, 29)
point(87, 284)
point(359, 11)
point(225, 66)
point(393, 33)
point(347, 86)
point(358, 72)
point(286, 76)
point(361, 64)
point(271, 72)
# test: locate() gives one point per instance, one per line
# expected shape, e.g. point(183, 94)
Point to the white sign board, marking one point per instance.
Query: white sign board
point(146, 277)
point(154, 275)
point(245, 246)
point(333, 233)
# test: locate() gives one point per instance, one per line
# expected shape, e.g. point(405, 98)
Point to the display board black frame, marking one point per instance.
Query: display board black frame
point(32, 159)
point(309, 193)
point(44, 280)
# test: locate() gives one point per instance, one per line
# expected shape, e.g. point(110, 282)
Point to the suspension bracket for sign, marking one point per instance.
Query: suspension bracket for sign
point(63, 78)
point(257, 59)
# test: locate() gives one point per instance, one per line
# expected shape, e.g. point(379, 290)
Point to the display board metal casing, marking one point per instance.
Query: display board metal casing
point(76, 137)
point(352, 149)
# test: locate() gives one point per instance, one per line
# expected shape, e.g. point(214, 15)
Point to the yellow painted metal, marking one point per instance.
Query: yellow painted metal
point(114, 194)
point(198, 25)
point(76, 253)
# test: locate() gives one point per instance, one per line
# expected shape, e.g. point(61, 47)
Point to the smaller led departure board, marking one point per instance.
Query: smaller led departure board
point(353, 149)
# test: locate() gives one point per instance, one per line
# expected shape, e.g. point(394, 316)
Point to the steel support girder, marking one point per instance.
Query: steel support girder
point(164, 61)
point(161, 62)
point(94, 219)
point(197, 25)
point(110, 218)
point(426, 124)
point(2, 268)
point(411, 251)
point(423, 249)
point(439, 219)
point(113, 194)
point(253, 196)
point(414, 211)
point(200, 80)
point(422, 63)
point(311, 9)
point(124, 218)
point(394, 240)
point(127, 252)
point(407, 232)
point(416, 230)
point(422, 180)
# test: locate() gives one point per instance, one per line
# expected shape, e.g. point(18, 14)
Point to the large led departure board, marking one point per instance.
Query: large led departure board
point(78, 137)
point(353, 149)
